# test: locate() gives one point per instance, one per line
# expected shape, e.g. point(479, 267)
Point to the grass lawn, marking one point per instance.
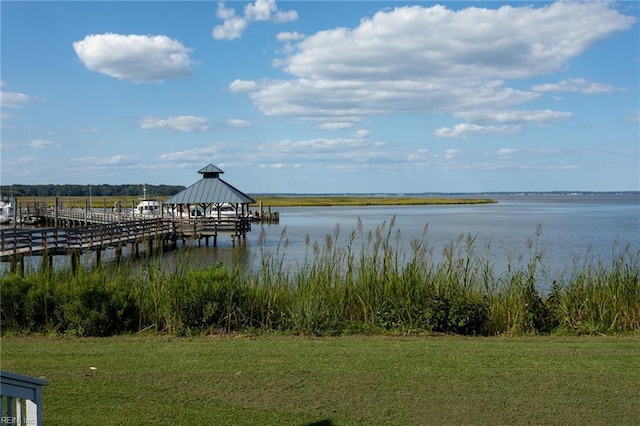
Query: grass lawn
point(373, 380)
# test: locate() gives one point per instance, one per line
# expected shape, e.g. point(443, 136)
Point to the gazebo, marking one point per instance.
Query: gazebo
point(211, 197)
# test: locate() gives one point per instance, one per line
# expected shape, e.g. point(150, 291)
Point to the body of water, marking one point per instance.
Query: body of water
point(565, 228)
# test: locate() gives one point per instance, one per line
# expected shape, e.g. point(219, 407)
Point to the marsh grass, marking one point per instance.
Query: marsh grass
point(323, 201)
point(367, 282)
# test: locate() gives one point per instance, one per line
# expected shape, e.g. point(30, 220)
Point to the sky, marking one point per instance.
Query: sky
point(323, 96)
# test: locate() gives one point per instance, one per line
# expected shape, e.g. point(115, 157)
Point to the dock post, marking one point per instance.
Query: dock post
point(98, 255)
point(55, 214)
point(17, 264)
point(118, 253)
point(75, 260)
point(47, 262)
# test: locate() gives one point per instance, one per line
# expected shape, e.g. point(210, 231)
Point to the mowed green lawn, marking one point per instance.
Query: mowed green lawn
point(372, 380)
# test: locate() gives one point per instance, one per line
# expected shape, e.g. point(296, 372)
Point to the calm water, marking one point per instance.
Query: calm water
point(572, 227)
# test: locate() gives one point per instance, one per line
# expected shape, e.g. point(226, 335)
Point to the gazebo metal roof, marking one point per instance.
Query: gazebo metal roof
point(210, 190)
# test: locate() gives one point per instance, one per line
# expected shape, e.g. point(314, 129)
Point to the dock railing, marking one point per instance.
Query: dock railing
point(21, 398)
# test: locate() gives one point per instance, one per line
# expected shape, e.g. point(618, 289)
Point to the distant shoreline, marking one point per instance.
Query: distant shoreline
point(360, 200)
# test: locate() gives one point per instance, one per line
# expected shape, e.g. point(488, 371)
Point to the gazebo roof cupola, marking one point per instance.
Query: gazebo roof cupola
point(210, 190)
point(210, 171)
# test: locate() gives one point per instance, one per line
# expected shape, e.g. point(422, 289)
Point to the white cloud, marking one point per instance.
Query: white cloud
point(513, 116)
point(4, 146)
point(633, 118)
point(261, 10)
point(506, 151)
point(236, 122)
point(453, 153)
point(39, 144)
point(231, 29)
point(320, 152)
point(421, 154)
point(99, 162)
point(13, 100)
point(285, 16)
point(465, 130)
point(432, 59)
point(243, 86)
point(289, 36)
point(88, 130)
point(509, 42)
point(137, 58)
point(575, 85)
point(181, 123)
point(335, 125)
point(315, 145)
point(361, 133)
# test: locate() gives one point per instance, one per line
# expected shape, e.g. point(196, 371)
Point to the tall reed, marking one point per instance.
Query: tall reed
point(364, 281)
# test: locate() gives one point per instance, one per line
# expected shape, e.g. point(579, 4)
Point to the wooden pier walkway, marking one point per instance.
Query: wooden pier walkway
point(85, 232)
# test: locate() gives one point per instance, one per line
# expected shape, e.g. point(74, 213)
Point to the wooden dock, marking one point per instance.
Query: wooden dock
point(82, 232)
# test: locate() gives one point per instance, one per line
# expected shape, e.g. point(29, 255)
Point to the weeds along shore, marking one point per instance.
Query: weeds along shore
point(369, 285)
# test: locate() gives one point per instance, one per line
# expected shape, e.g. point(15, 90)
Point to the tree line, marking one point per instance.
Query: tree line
point(102, 190)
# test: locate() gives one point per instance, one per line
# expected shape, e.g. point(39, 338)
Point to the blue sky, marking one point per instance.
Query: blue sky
point(323, 97)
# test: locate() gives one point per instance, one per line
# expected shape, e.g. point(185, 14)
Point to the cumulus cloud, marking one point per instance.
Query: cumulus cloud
point(188, 156)
point(289, 36)
point(322, 152)
point(465, 130)
point(243, 86)
point(432, 59)
point(14, 99)
point(233, 26)
point(507, 151)
point(575, 85)
point(513, 116)
point(509, 42)
point(334, 125)
point(136, 58)
point(453, 153)
point(361, 133)
point(40, 144)
point(181, 123)
point(236, 122)
point(420, 155)
point(117, 160)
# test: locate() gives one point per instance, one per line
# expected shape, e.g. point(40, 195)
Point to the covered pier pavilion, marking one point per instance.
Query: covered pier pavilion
point(210, 206)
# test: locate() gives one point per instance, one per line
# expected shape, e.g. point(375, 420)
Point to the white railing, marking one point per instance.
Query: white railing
point(21, 398)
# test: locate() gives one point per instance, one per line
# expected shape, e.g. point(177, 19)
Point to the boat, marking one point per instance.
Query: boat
point(148, 207)
point(225, 211)
point(7, 211)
